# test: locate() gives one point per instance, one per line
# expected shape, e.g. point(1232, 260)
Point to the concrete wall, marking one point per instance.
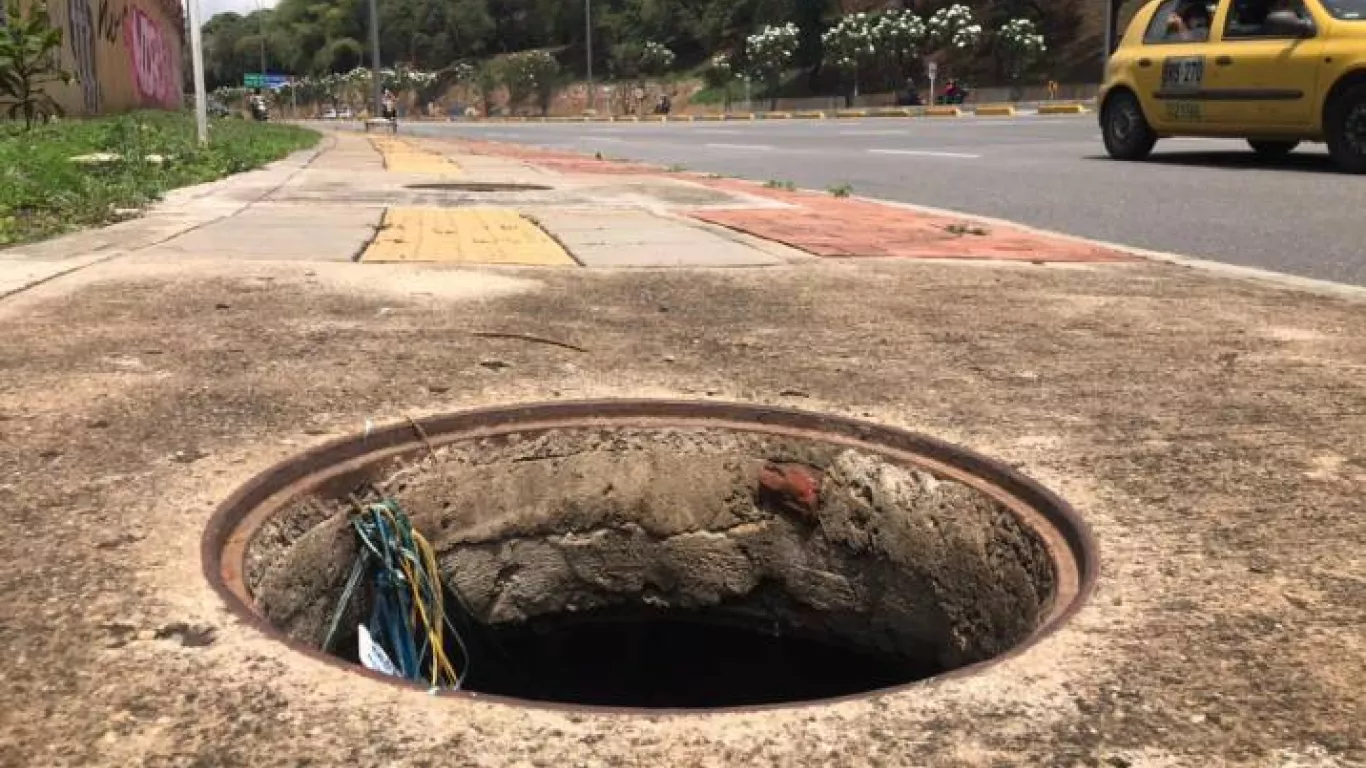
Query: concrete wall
point(125, 54)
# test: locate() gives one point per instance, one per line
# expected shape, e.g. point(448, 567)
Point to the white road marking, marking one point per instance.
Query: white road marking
point(872, 133)
point(599, 137)
point(924, 153)
point(758, 147)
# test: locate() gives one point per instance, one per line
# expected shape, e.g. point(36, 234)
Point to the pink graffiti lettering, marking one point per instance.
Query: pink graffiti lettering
point(152, 66)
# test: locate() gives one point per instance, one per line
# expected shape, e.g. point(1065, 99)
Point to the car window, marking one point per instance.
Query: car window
point(1247, 18)
point(1180, 21)
point(1347, 10)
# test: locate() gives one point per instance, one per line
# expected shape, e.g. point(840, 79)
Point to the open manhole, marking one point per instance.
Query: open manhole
point(478, 186)
point(668, 555)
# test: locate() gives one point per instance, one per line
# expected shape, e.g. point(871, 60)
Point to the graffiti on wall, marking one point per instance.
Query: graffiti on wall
point(153, 68)
point(81, 35)
point(110, 20)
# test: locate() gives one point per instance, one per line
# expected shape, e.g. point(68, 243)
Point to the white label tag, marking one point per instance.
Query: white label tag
point(372, 654)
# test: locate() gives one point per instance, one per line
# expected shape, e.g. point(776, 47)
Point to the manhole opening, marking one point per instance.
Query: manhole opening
point(675, 566)
point(479, 186)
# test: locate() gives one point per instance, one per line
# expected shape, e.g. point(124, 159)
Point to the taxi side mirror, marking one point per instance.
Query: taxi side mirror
point(1288, 24)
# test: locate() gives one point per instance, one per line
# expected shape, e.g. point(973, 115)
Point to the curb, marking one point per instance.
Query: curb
point(1282, 280)
point(983, 110)
point(1063, 109)
point(995, 110)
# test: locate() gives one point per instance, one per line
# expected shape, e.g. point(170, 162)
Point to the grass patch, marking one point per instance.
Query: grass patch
point(779, 184)
point(43, 193)
point(841, 190)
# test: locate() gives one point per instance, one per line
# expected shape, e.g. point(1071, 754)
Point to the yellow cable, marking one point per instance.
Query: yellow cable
point(434, 630)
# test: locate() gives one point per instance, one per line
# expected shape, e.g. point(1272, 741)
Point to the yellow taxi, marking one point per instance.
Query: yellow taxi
point(1274, 72)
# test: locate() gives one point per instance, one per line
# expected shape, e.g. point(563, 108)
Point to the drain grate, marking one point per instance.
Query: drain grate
point(673, 555)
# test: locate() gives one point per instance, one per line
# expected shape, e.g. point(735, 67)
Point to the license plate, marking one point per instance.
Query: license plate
point(1183, 73)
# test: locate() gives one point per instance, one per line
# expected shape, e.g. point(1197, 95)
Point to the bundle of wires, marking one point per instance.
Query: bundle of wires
point(408, 619)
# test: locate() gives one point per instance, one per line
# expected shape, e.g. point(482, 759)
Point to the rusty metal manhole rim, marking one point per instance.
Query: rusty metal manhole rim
point(1071, 545)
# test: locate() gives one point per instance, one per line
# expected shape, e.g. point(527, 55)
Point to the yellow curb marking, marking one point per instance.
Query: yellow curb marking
point(463, 236)
point(994, 110)
point(1062, 109)
point(402, 157)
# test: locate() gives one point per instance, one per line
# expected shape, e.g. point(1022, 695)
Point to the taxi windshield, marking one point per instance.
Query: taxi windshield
point(1347, 10)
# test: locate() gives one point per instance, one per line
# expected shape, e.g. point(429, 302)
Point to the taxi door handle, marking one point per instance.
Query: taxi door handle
point(1145, 62)
point(1224, 61)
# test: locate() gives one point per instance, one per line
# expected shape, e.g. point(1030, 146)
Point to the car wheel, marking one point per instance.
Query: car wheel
point(1127, 133)
point(1345, 126)
point(1272, 149)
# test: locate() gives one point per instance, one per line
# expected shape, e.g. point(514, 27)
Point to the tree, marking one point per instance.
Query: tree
point(899, 36)
point(530, 73)
point(1019, 46)
point(655, 59)
point(719, 74)
point(953, 32)
point(29, 50)
point(850, 46)
point(770, 52)
point(487, 79)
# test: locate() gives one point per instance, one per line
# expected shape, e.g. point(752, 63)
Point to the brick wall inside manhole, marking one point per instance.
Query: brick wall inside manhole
point(672, 558)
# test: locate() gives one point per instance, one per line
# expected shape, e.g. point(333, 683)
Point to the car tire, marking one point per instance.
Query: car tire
point(1345, 129)
point(1272, 150)
point(1126, 131)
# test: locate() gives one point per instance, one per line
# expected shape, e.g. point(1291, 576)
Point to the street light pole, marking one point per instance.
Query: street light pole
point(261, 37)
point(588, 35)
point(376, 92)
point(201, 106)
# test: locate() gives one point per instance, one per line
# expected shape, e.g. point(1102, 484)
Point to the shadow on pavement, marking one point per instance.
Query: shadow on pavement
point(1240, 161)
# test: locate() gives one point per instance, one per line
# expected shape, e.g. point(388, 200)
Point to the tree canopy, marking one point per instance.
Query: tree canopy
point(317, 37)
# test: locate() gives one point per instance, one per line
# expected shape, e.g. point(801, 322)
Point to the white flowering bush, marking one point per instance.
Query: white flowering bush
point(899, 36)
point(462, 72)
point(879, 47)
point(954, 29)
point(719, 71)
point(1020, 46)
point(655, 58)
point(770, 51)
point(530, 73)
point(851, 45)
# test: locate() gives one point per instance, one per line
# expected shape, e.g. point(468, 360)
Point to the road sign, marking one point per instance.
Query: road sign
point(257, 80)
point(932, 69)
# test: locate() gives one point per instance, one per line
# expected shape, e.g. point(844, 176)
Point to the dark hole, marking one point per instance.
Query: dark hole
point(479, 186)
point(669, 659)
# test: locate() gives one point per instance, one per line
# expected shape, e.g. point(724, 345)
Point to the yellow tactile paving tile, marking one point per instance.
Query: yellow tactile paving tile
point(465, 236)
point(402, 157)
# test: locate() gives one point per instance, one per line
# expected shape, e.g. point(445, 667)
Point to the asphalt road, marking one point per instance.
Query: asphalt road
point(1197, 197)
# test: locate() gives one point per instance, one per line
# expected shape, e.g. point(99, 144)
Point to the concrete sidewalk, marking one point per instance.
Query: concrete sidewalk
point(1211, 430)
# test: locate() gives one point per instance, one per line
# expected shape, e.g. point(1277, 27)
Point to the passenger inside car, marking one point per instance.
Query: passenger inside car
point(1189, 22)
